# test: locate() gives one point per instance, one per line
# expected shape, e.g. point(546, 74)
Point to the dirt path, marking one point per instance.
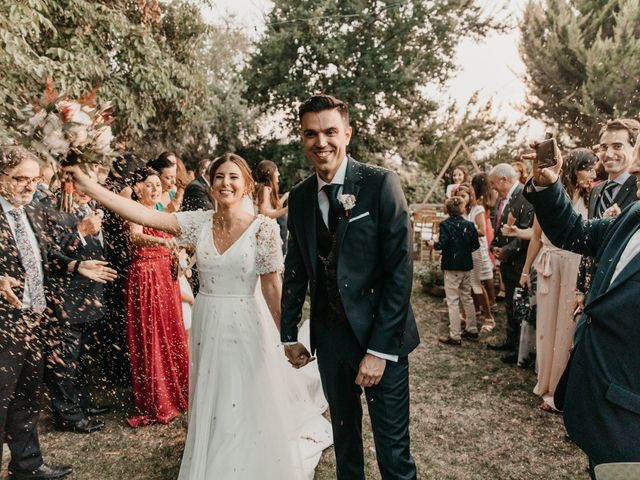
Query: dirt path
point(472, 417)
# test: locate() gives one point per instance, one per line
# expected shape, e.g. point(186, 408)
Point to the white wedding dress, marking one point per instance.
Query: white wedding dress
point(251, 415)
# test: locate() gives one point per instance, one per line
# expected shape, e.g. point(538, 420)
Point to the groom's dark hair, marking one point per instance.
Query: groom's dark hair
point(321, 102)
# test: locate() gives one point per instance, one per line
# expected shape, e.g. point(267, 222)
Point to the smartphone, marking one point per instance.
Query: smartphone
point(546, 152)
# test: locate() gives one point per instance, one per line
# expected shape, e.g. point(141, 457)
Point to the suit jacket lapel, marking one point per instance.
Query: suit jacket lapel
point(626, 189)
point(7, 237)
point(350, 187)
point(615, 246)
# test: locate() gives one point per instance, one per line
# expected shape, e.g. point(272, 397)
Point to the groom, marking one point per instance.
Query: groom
point(351, 244)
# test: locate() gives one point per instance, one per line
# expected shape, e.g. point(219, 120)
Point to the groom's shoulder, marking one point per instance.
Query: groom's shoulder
point(303, 185)
point(371, 172)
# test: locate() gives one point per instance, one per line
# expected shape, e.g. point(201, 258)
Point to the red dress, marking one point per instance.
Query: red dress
point(156, 336)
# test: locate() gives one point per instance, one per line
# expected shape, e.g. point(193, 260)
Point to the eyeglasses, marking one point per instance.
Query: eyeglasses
point(23, 181)
point(603, 147)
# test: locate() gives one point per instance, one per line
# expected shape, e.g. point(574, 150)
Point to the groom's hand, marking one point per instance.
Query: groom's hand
point(298, 355)
point(371, 371)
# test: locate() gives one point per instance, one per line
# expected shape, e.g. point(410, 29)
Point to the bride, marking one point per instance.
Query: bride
point(250, 414)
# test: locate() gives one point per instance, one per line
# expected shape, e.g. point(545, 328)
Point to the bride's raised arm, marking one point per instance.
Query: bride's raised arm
point(126, 208)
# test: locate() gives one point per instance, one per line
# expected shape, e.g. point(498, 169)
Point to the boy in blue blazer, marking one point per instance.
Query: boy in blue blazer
point(457, 240)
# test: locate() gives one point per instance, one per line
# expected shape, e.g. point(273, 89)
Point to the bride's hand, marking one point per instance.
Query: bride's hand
point(80, 179)
point(298, 355)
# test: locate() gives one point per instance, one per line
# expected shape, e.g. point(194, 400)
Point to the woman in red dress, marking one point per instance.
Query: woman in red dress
point(155, 331)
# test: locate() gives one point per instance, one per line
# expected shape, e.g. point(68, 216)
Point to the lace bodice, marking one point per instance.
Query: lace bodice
point(257, 252)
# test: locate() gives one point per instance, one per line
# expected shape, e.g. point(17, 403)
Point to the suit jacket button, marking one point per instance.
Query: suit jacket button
point(588, 320)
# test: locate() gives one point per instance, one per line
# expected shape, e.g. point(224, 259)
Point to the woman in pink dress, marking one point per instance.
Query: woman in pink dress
point(155, 330)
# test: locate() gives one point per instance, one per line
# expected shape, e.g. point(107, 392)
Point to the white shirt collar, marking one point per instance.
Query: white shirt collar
point(511, 190)
point(6, 206)
point(623, 177)
point(338, 177)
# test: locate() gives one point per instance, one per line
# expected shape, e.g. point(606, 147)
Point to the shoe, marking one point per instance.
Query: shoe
point(43, 472)
point(470, 335)
point(97, 409)
point(501, 347)
point(488, 325)
point(510, 358)
point(545, 407)
point(500, 296)
point(81, 426)
point(527, 364)
point(447, 340)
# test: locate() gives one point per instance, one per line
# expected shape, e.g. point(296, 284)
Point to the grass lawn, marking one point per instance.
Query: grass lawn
point(472, 417)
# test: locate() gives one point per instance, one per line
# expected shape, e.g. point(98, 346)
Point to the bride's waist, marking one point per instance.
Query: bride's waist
point(226, 295)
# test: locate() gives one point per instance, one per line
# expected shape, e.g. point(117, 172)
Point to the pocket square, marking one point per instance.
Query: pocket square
point(362, 215)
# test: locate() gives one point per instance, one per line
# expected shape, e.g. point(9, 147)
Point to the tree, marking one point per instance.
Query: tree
point(174, 80)
point(376, 55)
point(583, 61)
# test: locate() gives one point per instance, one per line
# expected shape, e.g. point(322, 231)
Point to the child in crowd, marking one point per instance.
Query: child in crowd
point(482, 266)
point(459, 175)
point(458, 239)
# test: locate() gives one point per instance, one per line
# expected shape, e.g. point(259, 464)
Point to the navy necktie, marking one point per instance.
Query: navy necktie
point(331, 190)
point(606, 198)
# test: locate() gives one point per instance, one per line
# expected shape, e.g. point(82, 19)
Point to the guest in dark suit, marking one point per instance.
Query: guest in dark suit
point(602, 394)
point(82, 305)
point(615, 147)
point(510, 251)
point(350, 243)
point(26, 261)
point(196, 195)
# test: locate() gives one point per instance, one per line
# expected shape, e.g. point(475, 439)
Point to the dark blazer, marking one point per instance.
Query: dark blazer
point(458, 239)
point(196, 195)
point(374, 260)
point(625, 196)
point(514, 250)
point(602, 396)
point(82, 298)
point(52, 259)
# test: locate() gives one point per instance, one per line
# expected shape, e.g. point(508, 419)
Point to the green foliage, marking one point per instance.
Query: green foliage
point(377, 56)
point(583, 61)
point(173, 79)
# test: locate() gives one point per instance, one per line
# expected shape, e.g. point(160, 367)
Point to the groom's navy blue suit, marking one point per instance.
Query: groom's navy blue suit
point(360, 283)
point(602, 395)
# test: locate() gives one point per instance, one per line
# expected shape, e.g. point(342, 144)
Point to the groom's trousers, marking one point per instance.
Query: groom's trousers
point(339, 355)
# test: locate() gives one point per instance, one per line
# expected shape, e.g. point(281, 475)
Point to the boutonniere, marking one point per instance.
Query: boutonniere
point(348, 201)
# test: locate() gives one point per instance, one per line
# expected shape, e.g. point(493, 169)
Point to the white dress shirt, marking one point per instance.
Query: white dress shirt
point(323, 204)
point(6, 206)
point(630, 251)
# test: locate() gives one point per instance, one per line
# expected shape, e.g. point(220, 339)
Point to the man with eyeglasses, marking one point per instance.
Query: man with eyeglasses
point(27, 259)
point(609, 198)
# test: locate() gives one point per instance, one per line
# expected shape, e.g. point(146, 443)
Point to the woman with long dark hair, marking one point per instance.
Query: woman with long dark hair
point(267, 194)
point(486, 197)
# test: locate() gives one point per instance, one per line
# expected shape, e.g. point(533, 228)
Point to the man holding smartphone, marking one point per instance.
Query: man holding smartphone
point(602, 393)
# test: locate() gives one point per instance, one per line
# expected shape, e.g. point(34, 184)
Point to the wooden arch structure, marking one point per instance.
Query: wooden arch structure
point(461, 144)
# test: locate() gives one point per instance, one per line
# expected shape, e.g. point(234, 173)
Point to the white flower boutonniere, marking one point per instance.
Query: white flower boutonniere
point(348, 201)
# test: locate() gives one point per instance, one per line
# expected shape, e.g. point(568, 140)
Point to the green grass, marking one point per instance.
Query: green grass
point(472, 417)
